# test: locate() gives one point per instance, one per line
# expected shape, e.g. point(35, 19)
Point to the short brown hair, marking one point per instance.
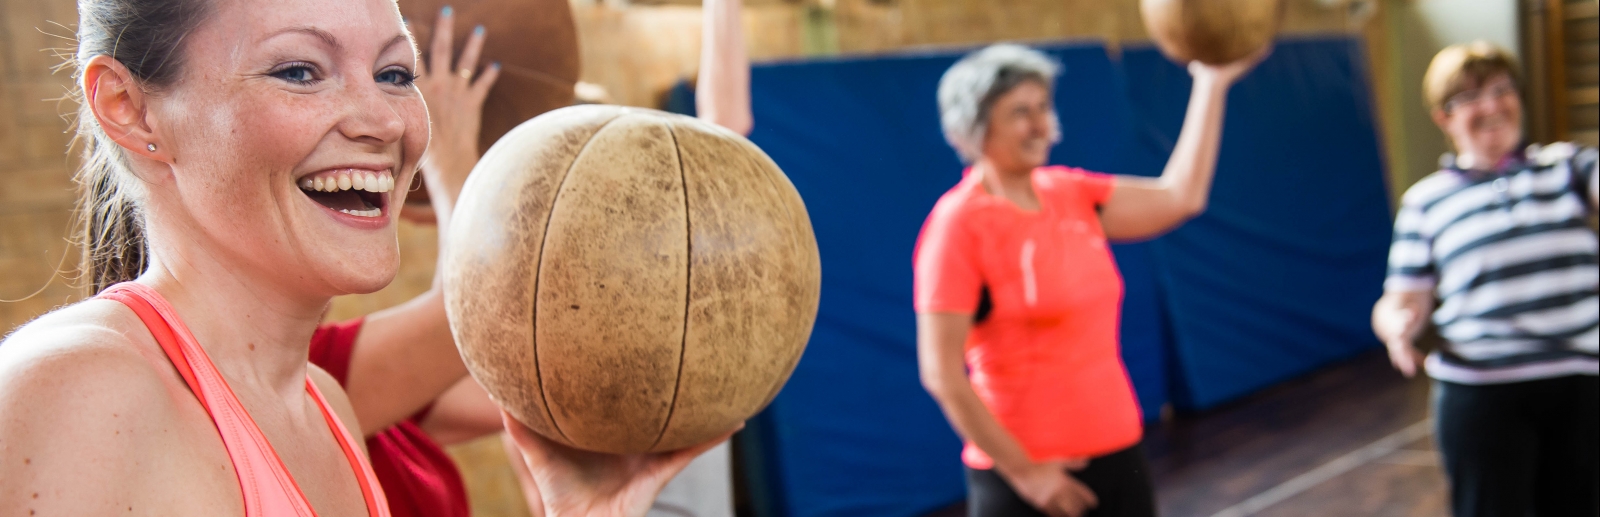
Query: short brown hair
point(1465, 66)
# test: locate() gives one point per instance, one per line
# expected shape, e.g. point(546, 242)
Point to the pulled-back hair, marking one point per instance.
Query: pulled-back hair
point(146, 36)
point(971, 86)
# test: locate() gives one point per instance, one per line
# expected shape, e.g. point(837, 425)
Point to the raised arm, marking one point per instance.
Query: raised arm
point(404, 358)
point(1141, 208)
point(722, 93)
point(941, 337)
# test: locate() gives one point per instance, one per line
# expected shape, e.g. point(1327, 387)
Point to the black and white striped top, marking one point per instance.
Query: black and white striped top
point(1512, 262)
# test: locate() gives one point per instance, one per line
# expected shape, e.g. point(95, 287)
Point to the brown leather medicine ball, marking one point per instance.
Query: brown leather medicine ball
point(535, 41)
point(1211, 31)
point(625, 280)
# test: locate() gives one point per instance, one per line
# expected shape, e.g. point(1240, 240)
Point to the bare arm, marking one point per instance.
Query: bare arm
point(941, 338)
point(405, 356)
point(463, 413)
point(1142, 208)
point(722, 93)
point(1397, 319)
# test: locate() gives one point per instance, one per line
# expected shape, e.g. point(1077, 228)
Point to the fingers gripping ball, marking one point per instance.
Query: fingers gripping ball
point(1211, 31)
point(624, 280)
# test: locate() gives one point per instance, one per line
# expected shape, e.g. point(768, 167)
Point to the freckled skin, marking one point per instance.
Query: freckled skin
point(228, 114)
point(225, 215)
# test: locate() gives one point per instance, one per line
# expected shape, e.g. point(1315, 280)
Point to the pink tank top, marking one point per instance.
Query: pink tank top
point(268, 489)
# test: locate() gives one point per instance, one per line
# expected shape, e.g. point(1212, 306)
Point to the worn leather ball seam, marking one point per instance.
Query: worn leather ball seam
point(688, 286)
point(544, 235)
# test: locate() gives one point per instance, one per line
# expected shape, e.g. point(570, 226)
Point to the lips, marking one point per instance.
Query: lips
point(353, 191)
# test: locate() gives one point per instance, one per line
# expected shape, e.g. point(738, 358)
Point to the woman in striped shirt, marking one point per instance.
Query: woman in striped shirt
point(1495, 246)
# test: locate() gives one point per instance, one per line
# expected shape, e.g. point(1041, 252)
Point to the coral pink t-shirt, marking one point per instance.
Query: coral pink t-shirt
point(1045, 361)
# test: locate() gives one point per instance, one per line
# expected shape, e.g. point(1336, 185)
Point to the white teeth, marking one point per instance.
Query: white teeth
point(380, 181)
point(373, 212)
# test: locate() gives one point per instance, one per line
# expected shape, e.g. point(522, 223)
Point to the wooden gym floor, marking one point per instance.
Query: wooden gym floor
point(1353, 439)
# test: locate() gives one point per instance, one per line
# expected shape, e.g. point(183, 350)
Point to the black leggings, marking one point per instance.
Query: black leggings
point(1521, 449)
point(1120, 480)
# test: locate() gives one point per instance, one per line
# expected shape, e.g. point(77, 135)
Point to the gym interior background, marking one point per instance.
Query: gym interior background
point(1321, 426)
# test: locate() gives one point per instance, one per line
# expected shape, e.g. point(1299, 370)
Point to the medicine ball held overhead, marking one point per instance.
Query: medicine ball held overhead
point(1211, 31)
point(625, 280)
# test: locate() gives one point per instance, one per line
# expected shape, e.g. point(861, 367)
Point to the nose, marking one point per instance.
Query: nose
point(372, 115)
point(1041, 123)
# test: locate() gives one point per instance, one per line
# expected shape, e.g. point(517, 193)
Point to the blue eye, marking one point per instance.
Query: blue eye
point(396, 76)
point(295, 73)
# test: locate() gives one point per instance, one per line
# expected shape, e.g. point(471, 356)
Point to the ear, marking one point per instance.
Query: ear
point(120, 107)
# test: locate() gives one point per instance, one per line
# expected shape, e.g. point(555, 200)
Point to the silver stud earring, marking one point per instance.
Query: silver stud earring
point(150, 147)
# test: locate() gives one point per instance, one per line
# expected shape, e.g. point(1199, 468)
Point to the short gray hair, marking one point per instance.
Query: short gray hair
point(970, 87)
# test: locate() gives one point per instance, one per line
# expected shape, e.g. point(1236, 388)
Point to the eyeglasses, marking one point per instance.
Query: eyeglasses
point(1479, 96)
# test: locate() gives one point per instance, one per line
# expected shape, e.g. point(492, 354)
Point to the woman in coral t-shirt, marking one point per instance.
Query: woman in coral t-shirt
point(1015, 284)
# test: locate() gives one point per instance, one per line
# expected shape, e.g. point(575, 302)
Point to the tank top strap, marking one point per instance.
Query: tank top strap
point(371, 490)
point(264, 481)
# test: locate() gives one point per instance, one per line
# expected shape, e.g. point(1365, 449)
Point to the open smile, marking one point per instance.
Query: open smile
point(351, 191)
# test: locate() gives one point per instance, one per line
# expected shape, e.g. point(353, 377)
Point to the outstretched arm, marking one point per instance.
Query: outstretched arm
point(1141, 208)
point(722, 93)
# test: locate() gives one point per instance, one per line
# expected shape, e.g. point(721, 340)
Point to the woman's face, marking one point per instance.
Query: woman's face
point(1021, 127)
point(289, 129)
point(1485, 121)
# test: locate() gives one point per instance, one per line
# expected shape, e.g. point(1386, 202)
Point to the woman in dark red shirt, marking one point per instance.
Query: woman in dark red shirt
point(1015, 284)
point(410, 389)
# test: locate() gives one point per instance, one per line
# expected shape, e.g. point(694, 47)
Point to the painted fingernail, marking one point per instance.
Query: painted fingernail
point(478, 30)
point(495, 65)
point(447, 11)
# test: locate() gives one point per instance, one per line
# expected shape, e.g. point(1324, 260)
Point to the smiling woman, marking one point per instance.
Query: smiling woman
point(240, 172)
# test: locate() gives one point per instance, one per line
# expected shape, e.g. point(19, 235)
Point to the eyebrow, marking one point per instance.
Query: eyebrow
point(323, 35)
point(397, 39)
point(328, 38)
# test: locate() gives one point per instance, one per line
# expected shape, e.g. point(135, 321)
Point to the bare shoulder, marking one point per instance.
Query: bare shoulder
point(337, 400)
point(84, 406)
point(90, 345)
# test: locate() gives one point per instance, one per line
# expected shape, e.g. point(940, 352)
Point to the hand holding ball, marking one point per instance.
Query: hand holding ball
point(624, 280)
point(1213, 32)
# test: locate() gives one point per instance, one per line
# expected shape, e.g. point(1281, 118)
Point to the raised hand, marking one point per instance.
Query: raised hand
point(576, 483)
point(1228, 73)
point(454, 90)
